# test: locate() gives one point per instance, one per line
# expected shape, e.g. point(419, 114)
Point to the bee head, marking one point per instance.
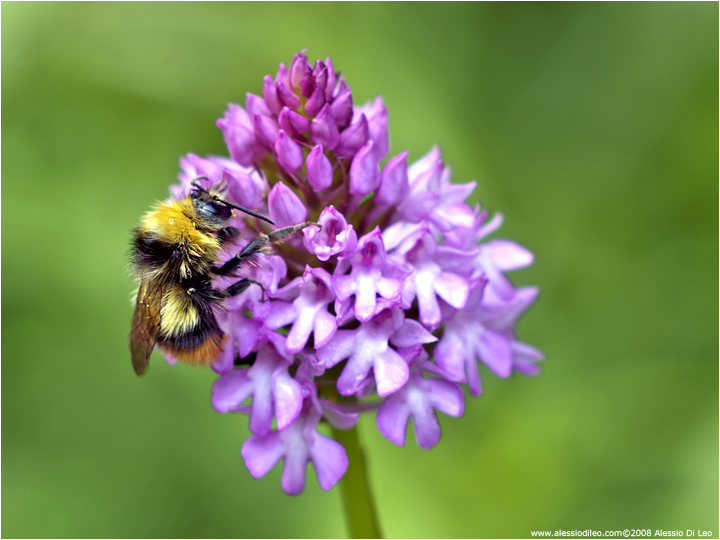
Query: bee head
point(213, 210)
point(210, 212)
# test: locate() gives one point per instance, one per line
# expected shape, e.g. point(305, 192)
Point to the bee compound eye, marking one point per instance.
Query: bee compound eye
point(221, 211)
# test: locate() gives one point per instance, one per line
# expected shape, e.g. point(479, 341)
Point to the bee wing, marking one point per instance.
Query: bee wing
point(145, 325)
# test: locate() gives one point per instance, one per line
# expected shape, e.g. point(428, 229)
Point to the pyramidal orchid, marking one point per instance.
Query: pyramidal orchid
point(386, 304)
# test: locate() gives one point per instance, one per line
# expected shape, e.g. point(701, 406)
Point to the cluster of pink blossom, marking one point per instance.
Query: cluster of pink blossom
point(387, 302)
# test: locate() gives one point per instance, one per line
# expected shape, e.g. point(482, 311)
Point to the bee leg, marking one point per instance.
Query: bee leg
point(228, 234)
point(241, 286)
point(256, 245)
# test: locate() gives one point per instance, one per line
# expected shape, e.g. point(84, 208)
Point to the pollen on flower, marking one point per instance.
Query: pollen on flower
point(386, 303)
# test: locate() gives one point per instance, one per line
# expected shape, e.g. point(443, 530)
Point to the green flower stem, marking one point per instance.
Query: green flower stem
point(359, 507)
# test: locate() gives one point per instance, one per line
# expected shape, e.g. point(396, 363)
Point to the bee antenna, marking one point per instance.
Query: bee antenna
point(249, 212)
point(198, 187)
point(223, 184)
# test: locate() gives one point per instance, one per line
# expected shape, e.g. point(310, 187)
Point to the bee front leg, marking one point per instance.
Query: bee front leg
point(228, 234)
point(256, 245)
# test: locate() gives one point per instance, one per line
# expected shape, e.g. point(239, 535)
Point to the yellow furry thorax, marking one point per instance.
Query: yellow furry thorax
point(175, 222)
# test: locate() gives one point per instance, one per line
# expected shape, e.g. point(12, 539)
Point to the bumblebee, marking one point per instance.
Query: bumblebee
point(175, 250)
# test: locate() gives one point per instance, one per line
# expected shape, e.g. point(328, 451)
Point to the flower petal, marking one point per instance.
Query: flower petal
point(288, 398)
point(364, 171)
point(338, 417)
point(230, 390)
point(285, 206)
point(446, 397)
point(294, 470)
point(270, 95)
point(289, 154)
point(287, 97)
point(391, 372)
point(293, 123)
point(496, 353)
point(393, 181)
point(452, 288)
point(324, 329)
point(262, 452)
point(319, 169)
point(377, 115)
point(323, 130)
point(315, 102)
point(342, 109)
point(427, 428)
point(329, 459)
point(411, 333)
point(353, 138)
point(266, 130)
point(392, 419)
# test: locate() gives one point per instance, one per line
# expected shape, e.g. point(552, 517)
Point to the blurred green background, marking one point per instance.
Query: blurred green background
point(592, 127)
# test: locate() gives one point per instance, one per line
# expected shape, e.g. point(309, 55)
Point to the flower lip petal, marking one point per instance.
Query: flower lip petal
point(447, 397)
point(391, 373)
point(261, 453)
point(230, 390)
point(329, 460)
point(288, 400)
point(392, 419)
